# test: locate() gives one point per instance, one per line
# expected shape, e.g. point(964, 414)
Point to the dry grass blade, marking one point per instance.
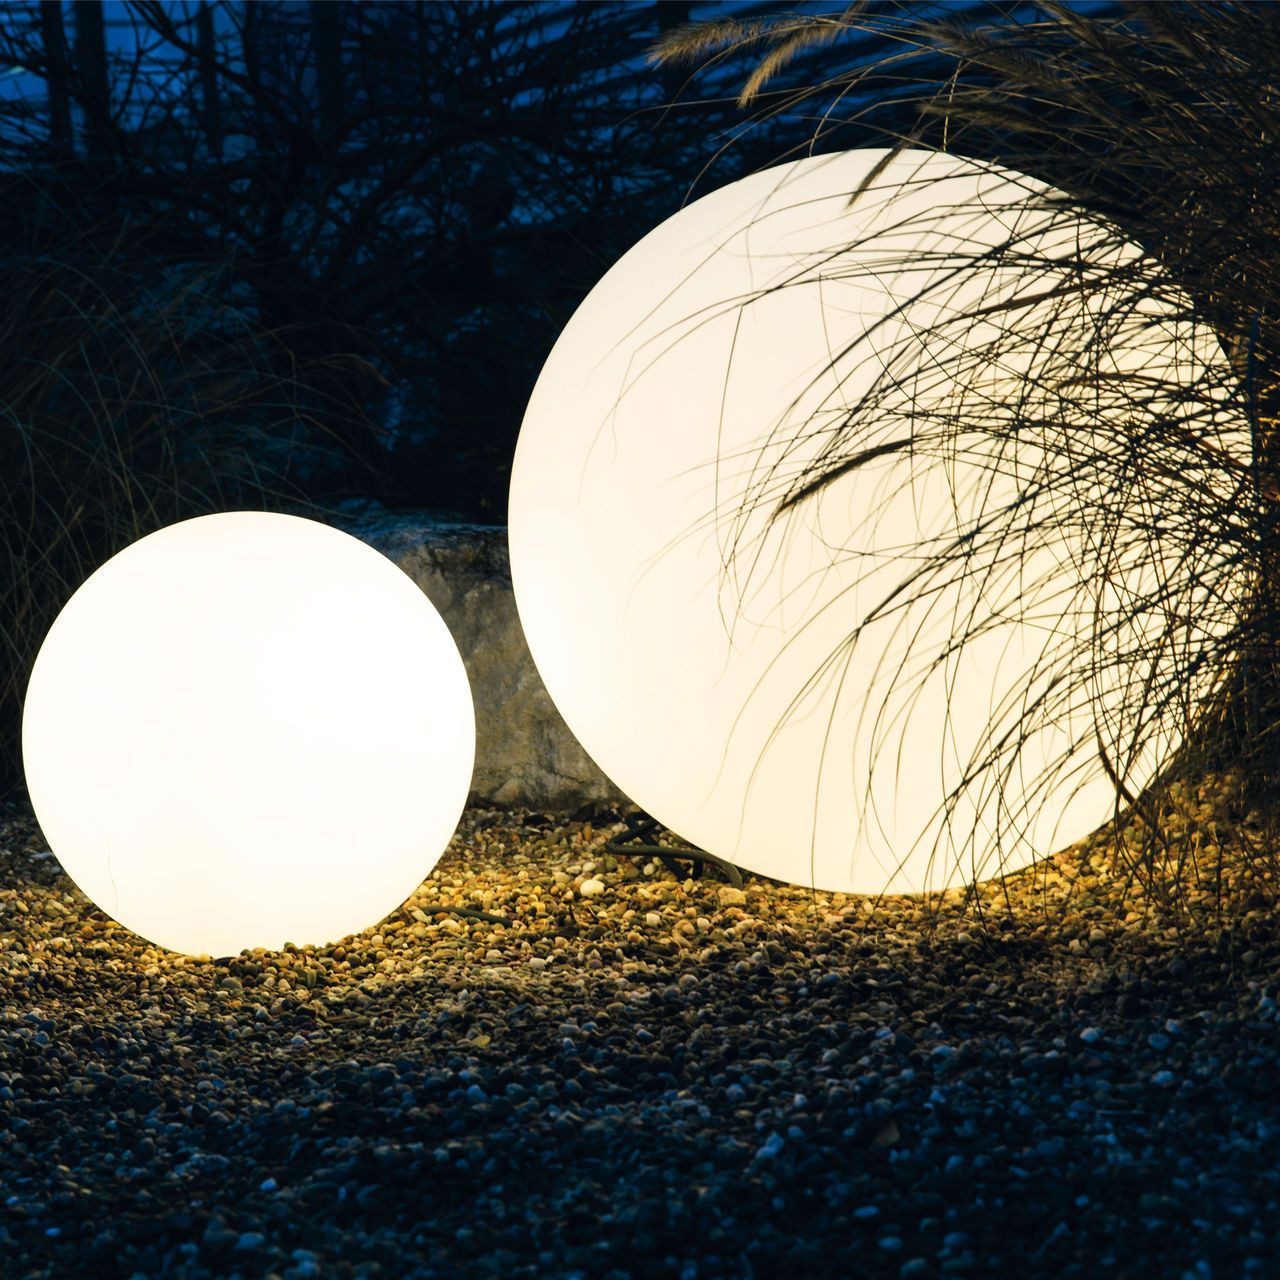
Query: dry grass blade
point(696, 40)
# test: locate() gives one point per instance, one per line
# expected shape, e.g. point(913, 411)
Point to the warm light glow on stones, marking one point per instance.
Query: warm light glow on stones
point(904, 681)
point(247, 729)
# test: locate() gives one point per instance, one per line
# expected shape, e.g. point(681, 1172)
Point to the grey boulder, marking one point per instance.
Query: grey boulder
point(525, 753)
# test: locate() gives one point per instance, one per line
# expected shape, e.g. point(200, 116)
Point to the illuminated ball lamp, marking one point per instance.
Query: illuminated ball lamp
point(248, 729)
point(813, 698)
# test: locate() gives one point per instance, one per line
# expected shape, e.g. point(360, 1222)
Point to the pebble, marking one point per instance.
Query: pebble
point(591, 888)
point(771, 1148)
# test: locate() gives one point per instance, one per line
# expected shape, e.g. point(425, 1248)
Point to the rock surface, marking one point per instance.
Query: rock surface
point(525, 753)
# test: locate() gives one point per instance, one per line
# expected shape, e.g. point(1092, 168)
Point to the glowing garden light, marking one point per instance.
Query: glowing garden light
point(247, 729)
point(837, 530)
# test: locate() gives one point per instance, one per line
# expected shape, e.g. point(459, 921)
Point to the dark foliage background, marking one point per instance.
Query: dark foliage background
point(417, 194)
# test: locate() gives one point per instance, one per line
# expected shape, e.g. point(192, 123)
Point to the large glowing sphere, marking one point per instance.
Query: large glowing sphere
point(248, 729)
point(937, 664)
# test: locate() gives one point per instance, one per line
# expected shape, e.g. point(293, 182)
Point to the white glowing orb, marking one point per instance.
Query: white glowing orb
point(794, 695)
point(248, 729)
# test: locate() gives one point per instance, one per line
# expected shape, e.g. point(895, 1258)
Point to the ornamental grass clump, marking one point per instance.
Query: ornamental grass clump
point(1160, 120)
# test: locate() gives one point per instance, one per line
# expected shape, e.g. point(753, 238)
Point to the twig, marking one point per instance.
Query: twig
point(470, 912)
point(667, 852)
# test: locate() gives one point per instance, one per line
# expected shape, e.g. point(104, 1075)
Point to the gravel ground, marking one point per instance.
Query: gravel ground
point(643, 1076)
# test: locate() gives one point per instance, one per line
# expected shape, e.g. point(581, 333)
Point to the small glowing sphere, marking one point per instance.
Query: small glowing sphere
point(902, 680)
point(248, 729)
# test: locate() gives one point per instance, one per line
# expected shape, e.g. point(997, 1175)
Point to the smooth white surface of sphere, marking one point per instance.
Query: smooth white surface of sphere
point(792, 694)
point(248, 729)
